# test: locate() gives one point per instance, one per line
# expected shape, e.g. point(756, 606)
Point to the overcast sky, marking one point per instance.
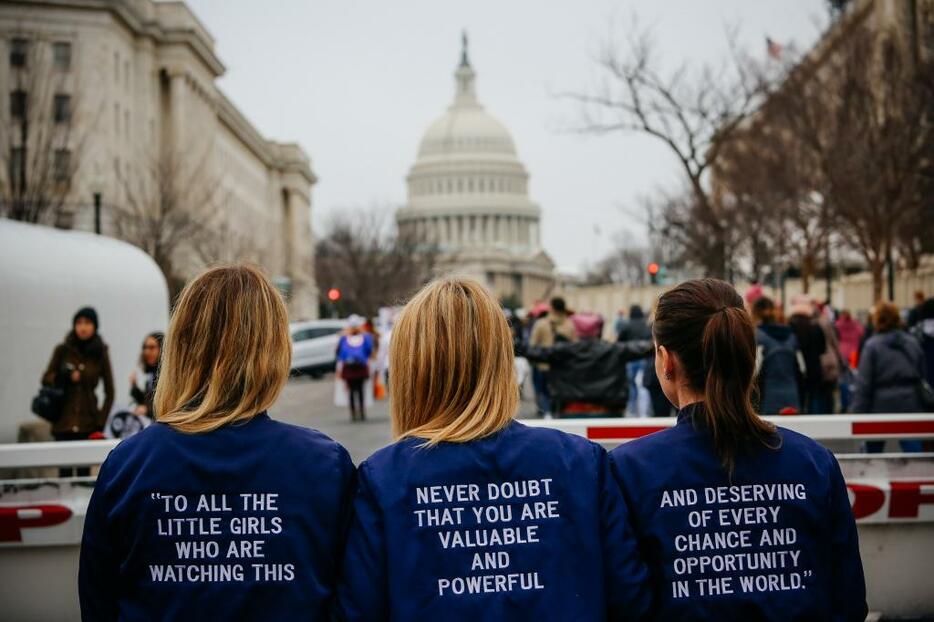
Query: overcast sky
point(357, 82)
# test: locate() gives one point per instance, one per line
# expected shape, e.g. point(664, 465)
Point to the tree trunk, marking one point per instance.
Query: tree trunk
point(877, 267)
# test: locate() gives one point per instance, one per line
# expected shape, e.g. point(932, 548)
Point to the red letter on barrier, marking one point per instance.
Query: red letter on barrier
point(13, 520)
point(907, 498)
point(867, 500)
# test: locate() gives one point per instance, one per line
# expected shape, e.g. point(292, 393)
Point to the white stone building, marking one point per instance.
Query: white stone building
point(468, 194)
point(139, 78)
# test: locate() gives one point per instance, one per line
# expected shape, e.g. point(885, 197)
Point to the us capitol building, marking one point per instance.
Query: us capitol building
point(468, 196)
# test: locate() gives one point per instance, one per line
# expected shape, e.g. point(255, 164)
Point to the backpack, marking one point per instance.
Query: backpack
point(779, 368)
point(354, 350)
point(830, 362)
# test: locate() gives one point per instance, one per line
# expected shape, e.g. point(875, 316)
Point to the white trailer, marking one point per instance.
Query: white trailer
point(46, 275)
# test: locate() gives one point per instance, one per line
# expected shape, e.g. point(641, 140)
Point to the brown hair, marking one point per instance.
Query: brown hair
point(704, 323)
point(885, 317)
point(763, 310)
point(227, 351)
point(451, 365)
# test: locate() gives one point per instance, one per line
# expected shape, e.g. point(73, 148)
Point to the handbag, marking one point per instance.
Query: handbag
point(49, 403)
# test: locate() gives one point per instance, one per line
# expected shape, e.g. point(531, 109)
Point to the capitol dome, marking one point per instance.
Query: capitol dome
point(466, 130)
point(468, 197)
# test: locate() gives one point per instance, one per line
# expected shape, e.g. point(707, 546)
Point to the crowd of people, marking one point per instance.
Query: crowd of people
point(217, 511)
point(815, 360)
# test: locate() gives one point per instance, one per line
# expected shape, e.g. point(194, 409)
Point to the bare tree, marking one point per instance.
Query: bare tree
point(41, 132)
point(363, 254)
point(764, 179)
point(863, 113)
point(170, 207)
point(624, 263)
point(692, 111)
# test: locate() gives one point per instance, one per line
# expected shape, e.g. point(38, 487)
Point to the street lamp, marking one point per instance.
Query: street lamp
point(96, 186)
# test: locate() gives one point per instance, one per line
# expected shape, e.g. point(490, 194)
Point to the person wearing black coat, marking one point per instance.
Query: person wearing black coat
point(636, 328)
point(816, 394)
point(590, 371)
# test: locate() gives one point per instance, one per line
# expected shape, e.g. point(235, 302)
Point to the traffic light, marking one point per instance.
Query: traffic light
point(653, 269)
point(334, 294)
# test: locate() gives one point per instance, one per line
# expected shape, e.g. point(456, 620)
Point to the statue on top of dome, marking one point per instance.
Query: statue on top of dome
point(464, 60)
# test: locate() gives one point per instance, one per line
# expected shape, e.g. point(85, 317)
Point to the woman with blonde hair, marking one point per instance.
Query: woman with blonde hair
point(471, 515)
point(217, 512)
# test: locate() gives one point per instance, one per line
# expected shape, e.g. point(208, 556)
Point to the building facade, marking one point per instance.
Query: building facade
point(149, 132)
point(468, 196)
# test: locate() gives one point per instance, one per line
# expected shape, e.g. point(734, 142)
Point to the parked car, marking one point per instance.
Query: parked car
point(314, 345)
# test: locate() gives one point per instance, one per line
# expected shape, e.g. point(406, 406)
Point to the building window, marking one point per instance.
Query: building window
point(61, 55)
point(18, 104)
point(18, 49)
point(61, 108)
point(62, 165)
point(17, 166)
point(116, 68)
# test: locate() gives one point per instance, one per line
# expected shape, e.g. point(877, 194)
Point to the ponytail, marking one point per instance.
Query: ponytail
point(729, 355)
point(704, 322)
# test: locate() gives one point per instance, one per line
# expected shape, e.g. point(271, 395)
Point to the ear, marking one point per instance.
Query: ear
point(667, 360)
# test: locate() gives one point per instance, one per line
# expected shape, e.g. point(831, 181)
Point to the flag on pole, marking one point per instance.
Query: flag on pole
point(774, 49)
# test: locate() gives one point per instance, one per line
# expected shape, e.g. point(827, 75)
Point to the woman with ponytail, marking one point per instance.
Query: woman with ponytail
point(737, 519)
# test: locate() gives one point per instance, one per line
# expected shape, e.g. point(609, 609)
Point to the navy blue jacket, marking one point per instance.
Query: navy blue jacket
point(779, 377)
point(526, 524)
point(777, 542)
point(242, 523)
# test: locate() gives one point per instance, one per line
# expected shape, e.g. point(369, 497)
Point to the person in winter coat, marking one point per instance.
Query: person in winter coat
point(354, 351)
point(588, 377)
point(216, 511)
point(923, 331)
point(850, 332)
point(554, 327)
point(471, 515)
point(816, 394)
point(890, 369)
point(79, 364)
point(738, 519)
point(149, 363)
point(777, 356)
point(636, 328)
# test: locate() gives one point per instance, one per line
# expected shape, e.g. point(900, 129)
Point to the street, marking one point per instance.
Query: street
point(310, 403)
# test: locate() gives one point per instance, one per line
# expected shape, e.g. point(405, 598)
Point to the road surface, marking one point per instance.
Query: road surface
point(310, 403)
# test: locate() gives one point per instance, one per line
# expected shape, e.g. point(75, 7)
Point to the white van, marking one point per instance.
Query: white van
point(314, 345)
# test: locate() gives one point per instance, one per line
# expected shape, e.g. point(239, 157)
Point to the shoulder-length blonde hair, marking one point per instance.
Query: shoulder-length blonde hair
point(227, 351)
point(451, 365)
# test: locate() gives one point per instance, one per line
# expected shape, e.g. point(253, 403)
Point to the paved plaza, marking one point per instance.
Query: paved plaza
point(310, 402)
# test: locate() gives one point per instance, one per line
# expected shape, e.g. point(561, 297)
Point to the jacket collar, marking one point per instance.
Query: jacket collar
point(689, 412)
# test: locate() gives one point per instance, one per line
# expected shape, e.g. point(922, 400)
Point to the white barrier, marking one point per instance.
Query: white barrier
point(72, 453)
point(892, 496)
point(613, 431)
